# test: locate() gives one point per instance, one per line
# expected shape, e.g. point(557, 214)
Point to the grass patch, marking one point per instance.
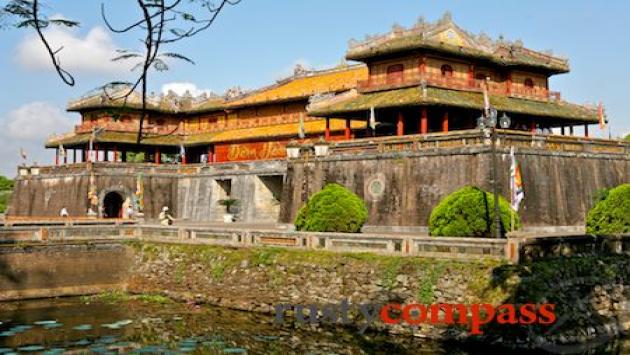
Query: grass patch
point(429, 282)
point(118, 296)
point(390, 271)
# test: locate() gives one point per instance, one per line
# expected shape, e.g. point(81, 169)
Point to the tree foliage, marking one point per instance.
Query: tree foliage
point(612, 214)
point(6, 185)
point(469, 212)
point(333, 209)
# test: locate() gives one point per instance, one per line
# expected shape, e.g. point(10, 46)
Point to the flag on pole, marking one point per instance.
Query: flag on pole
point(516, 181)
point(601, 116)
point(372, 118)
point(301, 130)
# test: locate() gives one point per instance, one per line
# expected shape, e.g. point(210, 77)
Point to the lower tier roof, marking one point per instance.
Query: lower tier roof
point(414, 96)
point(286, 130)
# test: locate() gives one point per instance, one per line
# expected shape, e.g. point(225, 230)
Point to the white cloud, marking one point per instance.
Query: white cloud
point(89, 54)
point(36, 120)
point(181, 87)
point(28, 127)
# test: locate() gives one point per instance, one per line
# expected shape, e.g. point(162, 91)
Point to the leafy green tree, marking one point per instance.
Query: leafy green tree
point(612, 214)
point(333, 209)
point(469, 212)
point(4, 200)
point(627, 137)
point(5, 183)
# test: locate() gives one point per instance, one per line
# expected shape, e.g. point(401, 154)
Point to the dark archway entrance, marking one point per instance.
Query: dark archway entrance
point(112, 205)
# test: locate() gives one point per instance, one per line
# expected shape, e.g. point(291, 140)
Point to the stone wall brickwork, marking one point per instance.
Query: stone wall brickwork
point(402, 188)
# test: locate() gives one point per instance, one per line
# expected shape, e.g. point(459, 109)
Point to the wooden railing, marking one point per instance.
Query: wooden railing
point(457, 83)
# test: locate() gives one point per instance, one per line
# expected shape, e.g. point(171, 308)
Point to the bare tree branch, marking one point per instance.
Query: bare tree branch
point(29, 13)
point(156, 21)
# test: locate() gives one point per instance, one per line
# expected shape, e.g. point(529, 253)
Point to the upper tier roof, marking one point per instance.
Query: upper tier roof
point(446, 37)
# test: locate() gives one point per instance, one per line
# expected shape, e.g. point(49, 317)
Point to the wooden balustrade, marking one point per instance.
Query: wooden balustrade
point(456, 83)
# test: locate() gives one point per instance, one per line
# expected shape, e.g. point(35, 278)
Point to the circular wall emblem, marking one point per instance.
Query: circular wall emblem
point(375, 186)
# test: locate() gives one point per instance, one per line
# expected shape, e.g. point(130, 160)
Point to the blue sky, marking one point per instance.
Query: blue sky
point(259, 41)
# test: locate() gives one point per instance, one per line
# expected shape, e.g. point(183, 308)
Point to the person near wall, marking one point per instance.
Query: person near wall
point(165, 217)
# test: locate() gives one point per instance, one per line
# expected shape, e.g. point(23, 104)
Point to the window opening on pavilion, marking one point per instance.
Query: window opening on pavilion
point(529, 84)
point(447, 71)
point(395, 74)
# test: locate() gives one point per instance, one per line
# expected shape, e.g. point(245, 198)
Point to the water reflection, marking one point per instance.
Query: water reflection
point(79, 325)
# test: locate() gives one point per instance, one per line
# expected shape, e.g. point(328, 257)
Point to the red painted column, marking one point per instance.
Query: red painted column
point(562, 130)
point(445, 122)
point(347, 131)
point(95, 147)
point(532, 126)
point(586, 130)
point(327, 131)
point(57, 156)
point(105, 154)
point(158, 157)
point(424, 122)
point(400, 124)
point(210, 154)
point(74, 156)
point(571, 130)
point(423, 65)
point(115, 154)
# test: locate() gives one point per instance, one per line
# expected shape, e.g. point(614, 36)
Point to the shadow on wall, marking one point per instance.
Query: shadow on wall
point(8, 274)
point(591, 295)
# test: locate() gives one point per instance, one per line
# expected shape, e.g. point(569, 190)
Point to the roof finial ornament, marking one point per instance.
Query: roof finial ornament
point(233, 92)
point(421, 21)
point(447, 18)
point(397, 29)
point(299, 70)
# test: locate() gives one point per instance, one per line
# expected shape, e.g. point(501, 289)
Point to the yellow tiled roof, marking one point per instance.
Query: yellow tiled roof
point(335, 80)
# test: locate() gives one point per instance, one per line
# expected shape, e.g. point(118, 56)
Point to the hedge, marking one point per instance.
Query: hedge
point(333, 209)
point(612, 214)
point(469, 212)
point(4, 200)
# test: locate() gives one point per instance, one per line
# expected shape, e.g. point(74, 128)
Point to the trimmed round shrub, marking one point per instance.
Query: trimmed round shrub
point(612, 214)
point(469, 212)
point(333, 209)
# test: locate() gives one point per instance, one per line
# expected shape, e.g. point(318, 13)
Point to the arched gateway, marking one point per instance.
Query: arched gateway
point(112, 205)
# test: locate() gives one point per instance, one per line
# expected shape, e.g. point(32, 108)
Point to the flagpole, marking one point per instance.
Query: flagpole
point(512, 189)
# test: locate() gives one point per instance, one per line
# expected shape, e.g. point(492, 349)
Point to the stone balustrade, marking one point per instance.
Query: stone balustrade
point(475, 138)
point(513, 250)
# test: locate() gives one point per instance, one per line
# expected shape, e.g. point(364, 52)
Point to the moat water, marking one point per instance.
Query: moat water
point(88, 325)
